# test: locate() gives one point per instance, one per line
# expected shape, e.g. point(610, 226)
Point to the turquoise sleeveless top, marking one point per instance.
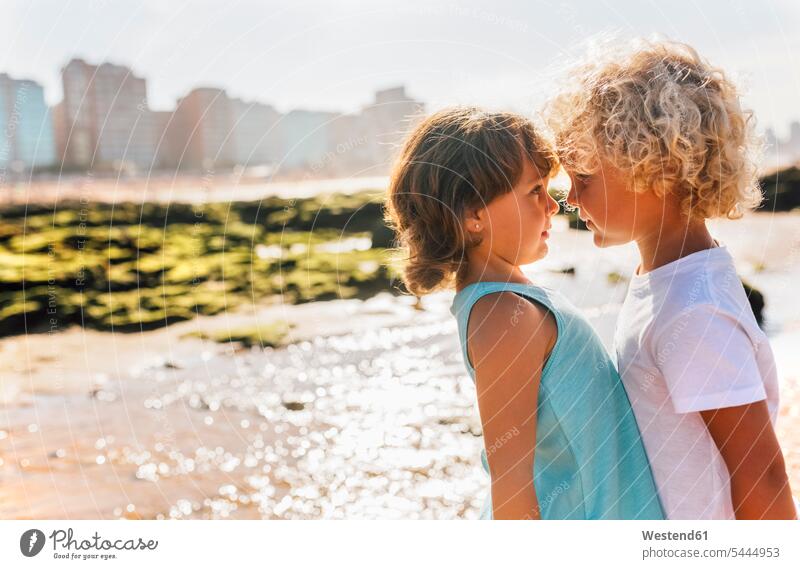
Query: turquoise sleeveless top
point(589, 461)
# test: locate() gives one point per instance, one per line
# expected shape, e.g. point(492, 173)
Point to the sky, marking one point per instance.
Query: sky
point(333, 55)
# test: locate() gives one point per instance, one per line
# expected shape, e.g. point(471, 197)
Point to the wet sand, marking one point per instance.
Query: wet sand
point(364, 418)
point(368, 414)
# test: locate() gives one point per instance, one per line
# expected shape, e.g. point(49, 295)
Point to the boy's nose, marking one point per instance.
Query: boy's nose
point(572, 197)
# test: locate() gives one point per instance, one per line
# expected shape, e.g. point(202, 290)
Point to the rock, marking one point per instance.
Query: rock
point(615, 278)
point(575, 222)
point(564, 271)
point(757, 303)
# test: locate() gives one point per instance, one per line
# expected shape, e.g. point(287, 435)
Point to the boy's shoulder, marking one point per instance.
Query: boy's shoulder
point(702, 278)
point(720, 292)
point(708, 291)
point(705, 320)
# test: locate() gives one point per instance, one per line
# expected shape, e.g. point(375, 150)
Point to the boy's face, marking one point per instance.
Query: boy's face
point(613, 213)
point(515, 226)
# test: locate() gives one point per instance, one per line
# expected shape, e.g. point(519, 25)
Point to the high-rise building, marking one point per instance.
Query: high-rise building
point(350, 151)
point(26, 126)
point(770, 140)
point(794, 138)
point(104, 119)
point(305, 138)
point(255, 129)
point(202, 130)
point(388, 119)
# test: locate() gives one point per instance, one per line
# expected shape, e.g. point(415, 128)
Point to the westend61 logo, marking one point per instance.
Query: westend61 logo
point(66, 547)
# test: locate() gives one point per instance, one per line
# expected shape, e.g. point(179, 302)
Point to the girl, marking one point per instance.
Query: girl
point(655, 142)
point(468, 199)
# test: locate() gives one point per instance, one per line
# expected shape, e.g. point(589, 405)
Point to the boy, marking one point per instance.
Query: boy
point(655, 142)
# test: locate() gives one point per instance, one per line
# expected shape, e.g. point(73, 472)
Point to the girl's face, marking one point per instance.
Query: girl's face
point(515, 226)
point(613, 213)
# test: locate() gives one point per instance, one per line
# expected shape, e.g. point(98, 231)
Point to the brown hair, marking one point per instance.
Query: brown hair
point(455, 160)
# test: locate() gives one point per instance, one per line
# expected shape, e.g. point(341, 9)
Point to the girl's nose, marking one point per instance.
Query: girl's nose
point(552, 205)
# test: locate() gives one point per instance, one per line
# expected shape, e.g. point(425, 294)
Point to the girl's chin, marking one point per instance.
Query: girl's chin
point(544, 249)
point(541, 251)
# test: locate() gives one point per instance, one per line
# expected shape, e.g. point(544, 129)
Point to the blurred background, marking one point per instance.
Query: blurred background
point(200, 315)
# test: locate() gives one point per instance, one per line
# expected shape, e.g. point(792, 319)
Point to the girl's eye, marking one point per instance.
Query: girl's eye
point(536, 190)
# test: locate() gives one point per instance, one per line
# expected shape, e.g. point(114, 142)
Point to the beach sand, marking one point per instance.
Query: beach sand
point(367, 414)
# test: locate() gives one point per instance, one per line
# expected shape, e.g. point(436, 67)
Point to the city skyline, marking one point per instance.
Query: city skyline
point(105, 118)
point(329, 57)
point(104, 121)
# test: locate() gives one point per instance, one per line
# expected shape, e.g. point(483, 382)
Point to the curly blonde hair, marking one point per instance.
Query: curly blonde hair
point(656, 109)
point(455, 160)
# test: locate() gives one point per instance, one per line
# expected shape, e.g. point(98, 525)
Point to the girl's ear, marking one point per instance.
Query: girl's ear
point(473, 221)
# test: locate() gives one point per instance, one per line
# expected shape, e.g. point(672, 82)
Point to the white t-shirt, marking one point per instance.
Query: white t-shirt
point(687, 341)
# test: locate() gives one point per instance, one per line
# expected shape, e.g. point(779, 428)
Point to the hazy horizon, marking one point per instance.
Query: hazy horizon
point(327, 56)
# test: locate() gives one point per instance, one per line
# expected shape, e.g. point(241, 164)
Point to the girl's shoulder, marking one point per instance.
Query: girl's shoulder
point(471, 294)
point(488, 311)
point(504, 325)
point(515, 296)
point(504, 309)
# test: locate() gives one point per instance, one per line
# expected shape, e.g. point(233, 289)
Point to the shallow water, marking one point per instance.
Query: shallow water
point(371, 424)
point(374, 417)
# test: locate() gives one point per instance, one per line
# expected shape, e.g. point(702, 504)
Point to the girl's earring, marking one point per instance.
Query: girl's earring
point(477, 226)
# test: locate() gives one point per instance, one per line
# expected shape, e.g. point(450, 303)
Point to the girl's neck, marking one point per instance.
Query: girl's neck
point(491, 270)
point(667, 245)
